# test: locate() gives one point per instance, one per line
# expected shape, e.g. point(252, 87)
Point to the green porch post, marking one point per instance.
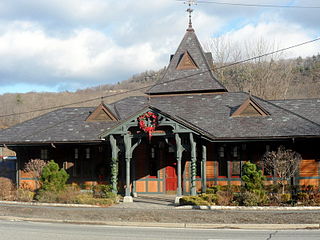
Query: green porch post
point(204, 169)
point(193, 146)
point(127, 144)
point(179, 150)
point(114, 164)
point(128, 156)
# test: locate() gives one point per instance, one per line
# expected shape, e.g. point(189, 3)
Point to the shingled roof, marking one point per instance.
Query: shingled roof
point(210, 114)
point(62, 125)
point(213, 114)
point(195, 75)
point(309, 108)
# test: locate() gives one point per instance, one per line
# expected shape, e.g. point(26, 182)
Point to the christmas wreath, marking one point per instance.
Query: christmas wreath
point(148, 122)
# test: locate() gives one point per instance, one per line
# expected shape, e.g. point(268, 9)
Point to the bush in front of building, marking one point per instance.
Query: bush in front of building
point(309, 196)
point(103, 191)
point(252, 193)
point(203, 199)
point(53, 182)
point(248, 198)
point(53, 178)
point(252, 178)
point(24, 195)
point(34, 168)
point(7, 190)
point(88, 198)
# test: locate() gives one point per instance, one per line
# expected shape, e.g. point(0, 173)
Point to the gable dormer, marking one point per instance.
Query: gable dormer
point(186, 62)
point(102, 114)
point(250, 108)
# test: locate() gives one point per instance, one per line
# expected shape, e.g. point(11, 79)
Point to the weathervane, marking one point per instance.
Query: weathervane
point(190, 10)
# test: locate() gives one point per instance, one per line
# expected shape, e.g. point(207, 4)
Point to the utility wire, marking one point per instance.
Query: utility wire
point(270, 53)
point(256, 5)
point(153, 85)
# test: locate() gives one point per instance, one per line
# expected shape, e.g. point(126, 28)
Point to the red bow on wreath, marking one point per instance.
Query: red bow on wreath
point(148, 123)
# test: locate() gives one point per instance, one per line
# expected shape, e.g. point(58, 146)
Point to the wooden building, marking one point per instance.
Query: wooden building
point(186, 134)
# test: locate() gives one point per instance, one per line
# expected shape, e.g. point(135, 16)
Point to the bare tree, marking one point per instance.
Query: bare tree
point(34, 167)
point(284, 163)
point(261, 76)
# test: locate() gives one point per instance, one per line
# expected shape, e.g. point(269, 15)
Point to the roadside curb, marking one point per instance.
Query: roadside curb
point(267, 208)
point(49, 204)
point(171, 225)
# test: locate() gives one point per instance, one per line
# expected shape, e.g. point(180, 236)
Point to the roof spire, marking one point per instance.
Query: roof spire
point(190, 10)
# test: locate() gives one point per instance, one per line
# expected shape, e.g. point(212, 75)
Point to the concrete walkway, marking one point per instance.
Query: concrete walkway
point(149, 202)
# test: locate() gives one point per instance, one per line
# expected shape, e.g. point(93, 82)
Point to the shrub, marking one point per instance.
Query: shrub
point(34, 167)
point(86, 198)
point(252, 177)
point(286, 198)
point(47, 196)
point(103, 191)
point(213, 189)
point(52, 178)
point(252, 198)
point(24, 195)
point(203, 199)
point(225, 198)
point(69, 194)
point(210, 198)
point(311, 198)
point(193, 200)
point(6, 189)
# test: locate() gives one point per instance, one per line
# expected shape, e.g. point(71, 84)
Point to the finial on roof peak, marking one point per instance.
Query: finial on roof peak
point(190, 10)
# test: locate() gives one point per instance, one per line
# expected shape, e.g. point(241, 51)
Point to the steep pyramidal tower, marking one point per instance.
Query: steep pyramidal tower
point(189, 71)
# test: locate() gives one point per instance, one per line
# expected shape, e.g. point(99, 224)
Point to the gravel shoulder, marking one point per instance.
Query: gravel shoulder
point(145, 212)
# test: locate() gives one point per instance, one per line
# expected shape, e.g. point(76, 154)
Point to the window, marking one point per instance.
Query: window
point(236, 168)
point(153, 171)
point(76, 153)
point(76, 167)
point(87, 153)
point(235, 151)
point(267, 148)
point(236, 161)
point(223, 167)
point(44, 154)
point(223, 164)
point(221, 151)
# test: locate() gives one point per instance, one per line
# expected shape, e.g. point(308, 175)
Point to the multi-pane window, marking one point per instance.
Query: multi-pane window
point(44, 154)
point(87, 153)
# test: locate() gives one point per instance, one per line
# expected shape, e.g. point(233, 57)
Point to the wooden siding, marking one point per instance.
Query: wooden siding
point(308, 168)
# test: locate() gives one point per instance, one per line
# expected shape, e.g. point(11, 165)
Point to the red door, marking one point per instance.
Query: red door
point(171, 173)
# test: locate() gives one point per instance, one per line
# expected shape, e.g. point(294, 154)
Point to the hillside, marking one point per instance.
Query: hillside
point(282, 79)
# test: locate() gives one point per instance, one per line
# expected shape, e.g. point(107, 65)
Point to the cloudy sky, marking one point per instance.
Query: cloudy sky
point(58, 45)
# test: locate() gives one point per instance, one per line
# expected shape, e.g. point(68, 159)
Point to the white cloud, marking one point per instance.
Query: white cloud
point(86, 55)
point(67, 44)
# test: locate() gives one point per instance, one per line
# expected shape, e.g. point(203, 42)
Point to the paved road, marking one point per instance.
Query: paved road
point(12, 230)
